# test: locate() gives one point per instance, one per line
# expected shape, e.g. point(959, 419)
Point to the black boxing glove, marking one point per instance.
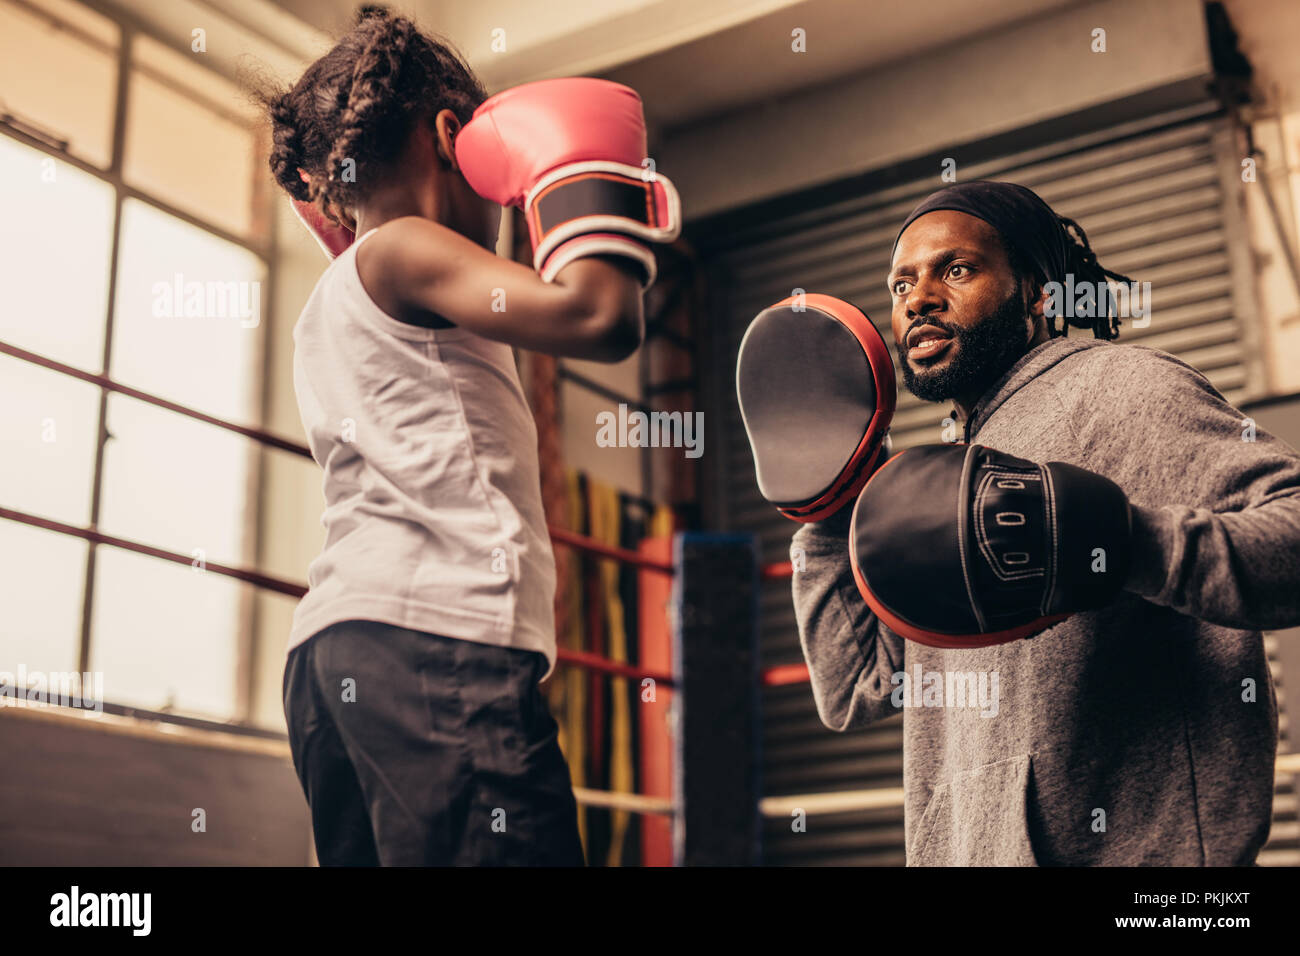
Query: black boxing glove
point(964, 546)
point(815, 382)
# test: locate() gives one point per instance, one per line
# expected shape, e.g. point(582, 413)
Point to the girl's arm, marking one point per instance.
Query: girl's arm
point(416, 269)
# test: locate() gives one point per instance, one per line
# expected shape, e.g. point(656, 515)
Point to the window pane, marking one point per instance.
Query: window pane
point(190, 138)
point(173, 482)
point(274, 622)
point(48, 424)
point(292, 492)
point(188, 314)
point(55, 266)
point(41, 575)
point(165, 635)
point(59, 73)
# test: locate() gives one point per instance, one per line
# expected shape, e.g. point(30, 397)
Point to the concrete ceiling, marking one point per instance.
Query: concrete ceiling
point(753, 61)
point(691, 58)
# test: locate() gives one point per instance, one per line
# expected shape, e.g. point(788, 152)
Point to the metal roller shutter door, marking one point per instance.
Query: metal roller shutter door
point(1151, 196)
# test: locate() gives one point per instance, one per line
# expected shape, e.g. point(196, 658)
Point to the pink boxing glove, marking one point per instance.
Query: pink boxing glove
point(570, 153)
point(332, 237)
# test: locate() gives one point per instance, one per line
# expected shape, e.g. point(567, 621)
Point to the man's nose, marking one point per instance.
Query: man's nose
point(924, 299)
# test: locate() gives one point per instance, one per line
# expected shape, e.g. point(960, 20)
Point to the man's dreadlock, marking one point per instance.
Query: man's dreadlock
point(1086, 269)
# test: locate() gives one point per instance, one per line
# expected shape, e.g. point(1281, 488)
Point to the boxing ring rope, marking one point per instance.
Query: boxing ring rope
point(106, 383)
point(833, 802)
point(633, 802)
point(615, 800)
point(885, 798)
point(563, 536)
point(130, 723)
point(781, 569)
point(880, 798)
point(782, 674)
point(593, 662)
point(581, 543)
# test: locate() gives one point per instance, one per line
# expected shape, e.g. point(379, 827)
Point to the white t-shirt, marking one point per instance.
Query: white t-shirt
point(433, 505)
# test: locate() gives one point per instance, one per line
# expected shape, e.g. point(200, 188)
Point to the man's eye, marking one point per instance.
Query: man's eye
point(957, 270)
point(900, 287)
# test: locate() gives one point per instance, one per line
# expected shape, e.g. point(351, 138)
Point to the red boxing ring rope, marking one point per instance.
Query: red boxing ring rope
point(593, 662)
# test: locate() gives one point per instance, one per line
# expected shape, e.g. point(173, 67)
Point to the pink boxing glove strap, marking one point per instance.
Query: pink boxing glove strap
point(598, 244)
point(600, 197)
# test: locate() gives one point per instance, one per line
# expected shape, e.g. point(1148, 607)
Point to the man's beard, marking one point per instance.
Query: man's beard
point(982, 353)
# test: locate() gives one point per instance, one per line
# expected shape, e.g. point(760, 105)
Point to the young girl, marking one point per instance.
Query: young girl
point(411, 690)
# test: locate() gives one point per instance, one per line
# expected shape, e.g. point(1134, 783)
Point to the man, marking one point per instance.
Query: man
point(1142, 732)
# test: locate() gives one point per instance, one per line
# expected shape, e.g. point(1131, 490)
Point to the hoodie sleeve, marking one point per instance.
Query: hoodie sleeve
point(1216, 503)
point(851, 658)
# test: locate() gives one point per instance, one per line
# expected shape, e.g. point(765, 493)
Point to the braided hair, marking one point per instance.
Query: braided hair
point(350, 114)
point(1082, 262)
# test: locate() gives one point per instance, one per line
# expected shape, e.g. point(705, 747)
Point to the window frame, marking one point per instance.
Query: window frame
point(262, 243)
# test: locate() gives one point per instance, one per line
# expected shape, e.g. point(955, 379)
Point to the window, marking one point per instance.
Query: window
point(58, 75)
point(190, 137)
point(56, 265)
point(139, 266)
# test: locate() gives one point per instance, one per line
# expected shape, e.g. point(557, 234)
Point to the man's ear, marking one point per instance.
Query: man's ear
point(1036, 306)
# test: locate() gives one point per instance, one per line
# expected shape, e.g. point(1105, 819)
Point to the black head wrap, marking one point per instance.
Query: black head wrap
point(1052, 245)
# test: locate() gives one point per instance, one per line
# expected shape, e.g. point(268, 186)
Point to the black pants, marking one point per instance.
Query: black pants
point(415, 749)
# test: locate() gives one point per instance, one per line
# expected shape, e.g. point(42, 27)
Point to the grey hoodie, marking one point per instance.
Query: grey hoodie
point(1142, 733)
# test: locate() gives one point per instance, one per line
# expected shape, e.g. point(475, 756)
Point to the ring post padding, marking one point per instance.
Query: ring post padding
point(715, 658)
